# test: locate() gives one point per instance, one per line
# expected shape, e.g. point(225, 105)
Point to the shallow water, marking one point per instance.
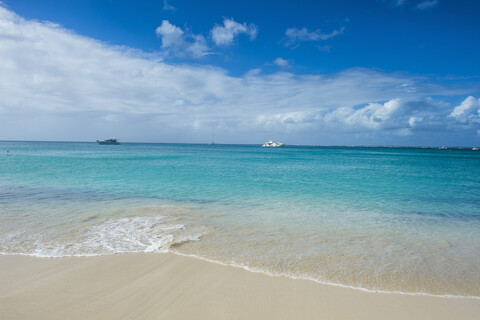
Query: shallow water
point(377, 218)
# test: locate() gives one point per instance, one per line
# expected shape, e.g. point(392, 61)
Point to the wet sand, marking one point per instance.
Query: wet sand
point(168, 286)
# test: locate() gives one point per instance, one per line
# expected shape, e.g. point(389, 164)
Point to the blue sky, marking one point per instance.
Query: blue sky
point(303, 72)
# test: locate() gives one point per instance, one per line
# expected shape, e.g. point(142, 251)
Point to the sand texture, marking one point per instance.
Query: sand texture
point(167, 286)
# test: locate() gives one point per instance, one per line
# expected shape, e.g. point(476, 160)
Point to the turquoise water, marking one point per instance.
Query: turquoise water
point(382, 219)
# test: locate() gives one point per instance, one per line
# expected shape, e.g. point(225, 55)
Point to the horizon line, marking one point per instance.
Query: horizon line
point(254, 144)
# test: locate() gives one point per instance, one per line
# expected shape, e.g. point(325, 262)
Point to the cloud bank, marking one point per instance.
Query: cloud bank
point(58, 85)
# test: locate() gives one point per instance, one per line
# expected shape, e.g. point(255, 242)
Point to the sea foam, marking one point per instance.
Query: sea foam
point(114, 235)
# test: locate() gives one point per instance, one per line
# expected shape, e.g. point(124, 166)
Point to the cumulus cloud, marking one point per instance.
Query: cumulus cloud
point(172, 36)
point(395, 117)
point(183, 43)
point(372, 116)
point(281, 62)
point(55, 84)
point(468, 112)
point(398, 115)
point(427, 4)
point(224, 35)
point(295, 35)
point(176, 42)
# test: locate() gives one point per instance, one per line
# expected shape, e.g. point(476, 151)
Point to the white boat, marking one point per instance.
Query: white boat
point(475, 149)
point(273, 144)
point(108, 141)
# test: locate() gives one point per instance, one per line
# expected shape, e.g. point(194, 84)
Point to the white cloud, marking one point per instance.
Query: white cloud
point(180, 43)
point(427, 4)
point(393, 118)
point(172, 36)
point(55, 84)
point(176, 42)
point(199, 47)
point(293, 121)
point(413, 121)
point(468, 111)
point(295, 35)
point(281, 62)
point(224, 35)
point(372, 116)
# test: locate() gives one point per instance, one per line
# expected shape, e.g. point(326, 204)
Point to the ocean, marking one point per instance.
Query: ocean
point(381, 219)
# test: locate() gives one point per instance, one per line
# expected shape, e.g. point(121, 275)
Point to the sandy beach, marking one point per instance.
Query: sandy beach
point(168, 286)
point(239, 160)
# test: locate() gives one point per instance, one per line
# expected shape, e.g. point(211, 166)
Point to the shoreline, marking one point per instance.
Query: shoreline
point(253, 270)
point(325, 283)
point(175, 286)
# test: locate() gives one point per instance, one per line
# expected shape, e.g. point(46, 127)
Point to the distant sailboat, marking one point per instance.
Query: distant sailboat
point(211, 141)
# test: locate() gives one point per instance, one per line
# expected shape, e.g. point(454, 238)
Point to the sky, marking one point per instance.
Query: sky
point(346, 72)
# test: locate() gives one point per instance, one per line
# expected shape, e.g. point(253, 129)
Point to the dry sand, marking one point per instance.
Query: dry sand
point(167, 286)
